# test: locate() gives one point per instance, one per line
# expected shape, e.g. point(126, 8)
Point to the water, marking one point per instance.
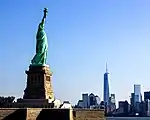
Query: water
point(127, 118)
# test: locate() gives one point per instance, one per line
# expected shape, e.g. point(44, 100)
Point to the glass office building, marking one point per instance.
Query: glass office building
point(106, 88)
point(137, 93)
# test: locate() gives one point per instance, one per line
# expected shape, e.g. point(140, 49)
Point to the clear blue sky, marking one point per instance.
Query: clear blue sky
point(83, 35)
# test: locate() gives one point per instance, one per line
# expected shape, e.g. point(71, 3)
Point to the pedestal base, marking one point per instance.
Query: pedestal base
point(39, 84)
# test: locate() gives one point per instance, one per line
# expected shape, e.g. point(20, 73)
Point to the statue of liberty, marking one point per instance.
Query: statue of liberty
point(41, 44)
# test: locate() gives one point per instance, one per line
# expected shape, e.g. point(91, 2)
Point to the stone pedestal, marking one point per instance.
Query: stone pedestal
point(39, 84)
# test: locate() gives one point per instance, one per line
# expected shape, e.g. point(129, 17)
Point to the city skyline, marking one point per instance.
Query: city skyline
point(82, 36)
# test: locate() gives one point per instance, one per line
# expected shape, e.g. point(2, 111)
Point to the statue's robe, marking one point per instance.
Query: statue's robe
point(41, 47)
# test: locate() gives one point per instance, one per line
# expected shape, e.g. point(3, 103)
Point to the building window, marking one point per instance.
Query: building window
point(33, 79)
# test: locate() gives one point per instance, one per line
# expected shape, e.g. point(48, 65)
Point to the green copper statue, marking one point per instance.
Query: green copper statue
point(41, 44)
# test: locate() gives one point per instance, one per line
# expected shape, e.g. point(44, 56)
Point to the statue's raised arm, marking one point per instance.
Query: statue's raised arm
point(45, 14)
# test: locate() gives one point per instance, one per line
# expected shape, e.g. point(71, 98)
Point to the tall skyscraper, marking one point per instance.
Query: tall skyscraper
point(132, 99)
point(106, 87)
point(85, 98)
point(92, 99)
point(137, 93)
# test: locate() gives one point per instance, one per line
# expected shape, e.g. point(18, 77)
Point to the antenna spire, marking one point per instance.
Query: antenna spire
point(106, 68)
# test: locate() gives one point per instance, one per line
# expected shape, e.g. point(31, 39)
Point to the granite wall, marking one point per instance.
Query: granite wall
point(12, 114)
point(52, 114)
point(88, 114)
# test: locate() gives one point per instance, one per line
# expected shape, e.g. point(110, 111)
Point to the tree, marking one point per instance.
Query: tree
point(6, 100)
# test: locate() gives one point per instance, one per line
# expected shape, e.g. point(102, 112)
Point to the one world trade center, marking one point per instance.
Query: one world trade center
point(106, 87)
